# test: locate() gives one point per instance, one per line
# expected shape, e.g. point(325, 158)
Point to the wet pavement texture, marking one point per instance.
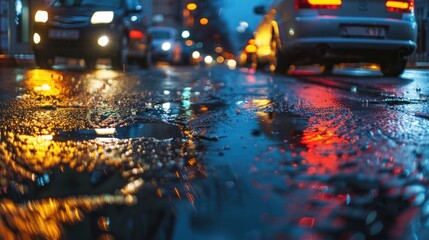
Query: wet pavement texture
point(213, 153)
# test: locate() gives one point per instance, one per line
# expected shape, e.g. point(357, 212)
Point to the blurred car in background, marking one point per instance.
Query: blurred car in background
point(191, 54)
point(91, 29)
point(329, 32)
point(165, 44)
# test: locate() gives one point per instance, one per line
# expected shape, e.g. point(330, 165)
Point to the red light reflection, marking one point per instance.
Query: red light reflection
point(322, 137)
point(307, 222)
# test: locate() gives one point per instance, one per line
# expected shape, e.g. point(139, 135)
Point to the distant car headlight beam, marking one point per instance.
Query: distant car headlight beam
point(196, 54)
point(166, 46)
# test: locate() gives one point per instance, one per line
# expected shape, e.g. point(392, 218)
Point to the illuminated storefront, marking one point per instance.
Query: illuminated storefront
point(15, 25)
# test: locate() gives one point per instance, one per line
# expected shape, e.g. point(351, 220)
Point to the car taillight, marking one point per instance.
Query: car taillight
point(318, 4)
point(401, 6)
point(135, 34)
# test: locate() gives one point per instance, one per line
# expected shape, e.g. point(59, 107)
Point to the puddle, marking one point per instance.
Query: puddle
point(153, 130)
point(149, 130)
point(286, 127)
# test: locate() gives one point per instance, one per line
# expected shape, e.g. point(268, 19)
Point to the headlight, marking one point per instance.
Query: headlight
point(102, 17)
point(166, 46)
point(36, 38)
point(196, 54)
point(41, 16)
point(103, 41)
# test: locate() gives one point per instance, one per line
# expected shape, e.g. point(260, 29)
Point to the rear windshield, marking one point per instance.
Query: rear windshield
point(87, 3)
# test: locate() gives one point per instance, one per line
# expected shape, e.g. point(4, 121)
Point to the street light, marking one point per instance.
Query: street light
point(191, 6)
point(186, 34)
point(204, 21)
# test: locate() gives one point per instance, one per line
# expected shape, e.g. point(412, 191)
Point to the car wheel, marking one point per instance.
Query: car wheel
point(395, 68)
point(120, 58)
point(43, 61)
point(90, 63)
point(327, 69)
point(146, 61)
point(278, 62)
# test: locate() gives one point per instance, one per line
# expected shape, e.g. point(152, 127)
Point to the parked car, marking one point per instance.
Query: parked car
point(91, 29)
point(329, 32)
point(165, 44)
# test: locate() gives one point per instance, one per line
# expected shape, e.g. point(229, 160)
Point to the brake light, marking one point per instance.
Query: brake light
point(318, 4)
point(402, 6)
point(135, 34)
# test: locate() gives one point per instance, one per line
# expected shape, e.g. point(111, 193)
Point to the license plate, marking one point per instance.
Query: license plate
point(64, 34)
point(361, 31)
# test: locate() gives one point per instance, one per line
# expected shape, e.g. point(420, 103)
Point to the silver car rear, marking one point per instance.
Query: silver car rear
point(329, 32)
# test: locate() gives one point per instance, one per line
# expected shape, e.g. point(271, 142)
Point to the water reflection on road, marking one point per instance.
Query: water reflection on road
point(346, 164)
point(212, 153)
point(59, 168)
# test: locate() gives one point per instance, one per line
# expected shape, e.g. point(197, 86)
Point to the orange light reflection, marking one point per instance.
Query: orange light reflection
point(43, 219)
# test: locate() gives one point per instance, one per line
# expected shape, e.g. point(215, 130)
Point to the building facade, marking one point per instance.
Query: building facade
point(16, 25)
point(422, 18)
point(167, 13)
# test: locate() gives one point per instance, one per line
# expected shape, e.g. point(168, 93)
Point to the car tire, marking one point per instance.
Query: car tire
point(43, 61)
point(90, 63)
point(393, 69)
point(146, 61)
point(278, 61)
point(120, 58)
point(282, 65)
point(327, 69)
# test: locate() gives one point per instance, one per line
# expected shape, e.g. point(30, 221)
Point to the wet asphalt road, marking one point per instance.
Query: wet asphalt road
point(213, 153)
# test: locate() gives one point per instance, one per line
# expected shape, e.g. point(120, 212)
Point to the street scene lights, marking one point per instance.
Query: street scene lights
point(191, 6)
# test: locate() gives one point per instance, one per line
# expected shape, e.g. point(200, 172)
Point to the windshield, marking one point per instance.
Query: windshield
point(89, 3)
point(161, 34)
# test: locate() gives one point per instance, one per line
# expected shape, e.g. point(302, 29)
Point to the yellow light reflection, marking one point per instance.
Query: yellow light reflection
point(44, 82)
point(105, 131)
point(43, 219)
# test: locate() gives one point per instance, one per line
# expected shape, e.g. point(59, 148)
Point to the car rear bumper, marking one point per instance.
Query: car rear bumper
point(311, 51)
point(322, 39)
point(162, 56)
point(331, 27)
point(328, 32)
point(405, 46)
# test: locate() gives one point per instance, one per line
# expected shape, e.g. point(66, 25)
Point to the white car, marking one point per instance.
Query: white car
point(329, 32)
point(165, 44)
